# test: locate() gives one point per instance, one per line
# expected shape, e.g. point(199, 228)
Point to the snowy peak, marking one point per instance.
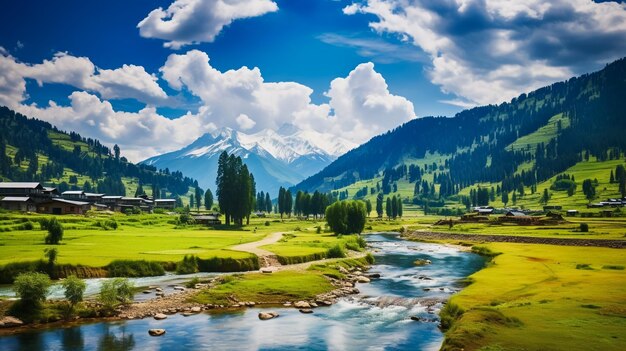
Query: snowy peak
point(287, 145)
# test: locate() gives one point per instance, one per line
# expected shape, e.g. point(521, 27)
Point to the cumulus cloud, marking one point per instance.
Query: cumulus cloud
point(363, 105)
point(138, 134)
point(487, 51)
point(187, 22)
point(128, 81)
point(245, 122)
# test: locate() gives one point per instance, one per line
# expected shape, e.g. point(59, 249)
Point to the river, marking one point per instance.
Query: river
point(376, 319)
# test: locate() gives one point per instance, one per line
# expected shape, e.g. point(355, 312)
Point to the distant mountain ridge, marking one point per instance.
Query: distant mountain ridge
point(276, 158)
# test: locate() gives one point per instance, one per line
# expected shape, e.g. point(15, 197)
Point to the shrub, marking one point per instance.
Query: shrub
point(346, 217)
point(318, 229)
point(55, 232)
point(267, 223)
point(74, 291)
point(111, 223)
point(43, 223)
point(613, 267)
point(28, 226)
point(370, 258)
point(336, 251)
point(449, 314)
point(584, 227)
point(192, 283)
point(362, 243)
point(228, 264)
point(584, 266)
point(188, 265)
point(130, 268)
point(32, 288)
point(185, 218)
point(115, 291)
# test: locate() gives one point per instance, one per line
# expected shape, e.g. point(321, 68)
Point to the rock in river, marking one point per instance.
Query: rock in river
point(306, 310)
point(156, 332)
point(267, 315)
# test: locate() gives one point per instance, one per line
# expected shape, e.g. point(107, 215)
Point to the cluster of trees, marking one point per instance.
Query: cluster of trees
point(312, 205)
point(392, 207)
point(620, 179)
point(263, 202)
point(564, 182)
point(346, 216)
point(105, 167)
point(589, 188)
point(236, 189)
point(285, 202)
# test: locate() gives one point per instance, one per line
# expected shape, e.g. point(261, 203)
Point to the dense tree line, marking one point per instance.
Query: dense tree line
point(236, 189)
point(346, 217)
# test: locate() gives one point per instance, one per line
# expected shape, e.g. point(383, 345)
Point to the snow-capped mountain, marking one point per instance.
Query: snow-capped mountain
point(276, 158)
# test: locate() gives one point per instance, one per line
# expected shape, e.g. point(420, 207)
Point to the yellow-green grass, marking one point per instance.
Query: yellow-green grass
point(533, 297)
point(306, 242)
point(599, 228)
point(143, 237)
point(544, 134)
point(272, 288)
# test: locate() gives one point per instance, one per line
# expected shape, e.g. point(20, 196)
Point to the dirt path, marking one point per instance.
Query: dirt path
point(267, 259)
point(615, 244)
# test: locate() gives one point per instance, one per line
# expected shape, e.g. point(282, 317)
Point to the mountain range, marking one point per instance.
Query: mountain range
point(276, 158)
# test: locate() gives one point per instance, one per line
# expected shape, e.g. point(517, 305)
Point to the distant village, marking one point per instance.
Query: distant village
point(34, 197)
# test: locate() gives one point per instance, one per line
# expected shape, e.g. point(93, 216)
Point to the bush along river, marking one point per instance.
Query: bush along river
point(398, 311)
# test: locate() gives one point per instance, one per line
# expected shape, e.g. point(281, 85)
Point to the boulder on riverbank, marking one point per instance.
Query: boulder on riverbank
point(160, 316)
point(156, 332)
point(9, 321)
point(301, 304)
point(306, 310)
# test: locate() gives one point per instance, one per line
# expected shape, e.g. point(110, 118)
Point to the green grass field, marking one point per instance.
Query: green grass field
point(533, 297)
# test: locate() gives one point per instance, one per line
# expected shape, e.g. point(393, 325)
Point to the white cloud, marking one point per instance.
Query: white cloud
point(245, 122)
point(187, 22)
point(360, 105)
point(364, 107)
point(138, 134)
point(488, 51)
point(128, 81)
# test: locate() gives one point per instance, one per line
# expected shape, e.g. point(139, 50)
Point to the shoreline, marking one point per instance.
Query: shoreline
point(178, 302)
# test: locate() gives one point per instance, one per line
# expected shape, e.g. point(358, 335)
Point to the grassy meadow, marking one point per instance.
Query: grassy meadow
point(542, 297)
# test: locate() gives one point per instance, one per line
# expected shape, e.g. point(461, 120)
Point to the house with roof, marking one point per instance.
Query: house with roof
point(22, 189)
point(168, 204)
point(208, 219)
point(94, 198)
point(18, 203)
point(60, 206)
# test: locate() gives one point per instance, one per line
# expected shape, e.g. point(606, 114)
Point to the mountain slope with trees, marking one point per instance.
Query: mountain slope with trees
point(33, 150)
point(515, 145)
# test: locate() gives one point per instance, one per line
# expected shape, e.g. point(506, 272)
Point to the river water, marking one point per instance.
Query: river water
point(376, 319)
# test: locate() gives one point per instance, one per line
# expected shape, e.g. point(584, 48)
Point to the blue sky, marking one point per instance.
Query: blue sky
point(358, 68)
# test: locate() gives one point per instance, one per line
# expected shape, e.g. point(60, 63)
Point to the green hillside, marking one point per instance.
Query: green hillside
point(569, 129)
point(32, 150)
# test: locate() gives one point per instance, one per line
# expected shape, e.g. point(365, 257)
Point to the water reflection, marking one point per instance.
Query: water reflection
point(376, 319)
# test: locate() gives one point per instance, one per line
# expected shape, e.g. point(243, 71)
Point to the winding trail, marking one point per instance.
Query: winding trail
point(267, 259)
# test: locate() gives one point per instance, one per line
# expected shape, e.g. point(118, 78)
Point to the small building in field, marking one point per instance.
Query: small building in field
point(59, 206)
point(18, 203)
point(77, 195)
point(168, 204)
point(207, 219)
point(552, 208)
point(572, 213)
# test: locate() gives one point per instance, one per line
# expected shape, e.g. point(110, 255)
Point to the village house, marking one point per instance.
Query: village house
point(208, 219)
point(112, 202)
point(59, 206)
point(168, 204)
point(94, 198)
point(23, 189)
point(18, 203)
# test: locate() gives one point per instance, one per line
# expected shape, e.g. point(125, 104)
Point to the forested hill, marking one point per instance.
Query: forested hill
point(525, 141)
point(33, 150)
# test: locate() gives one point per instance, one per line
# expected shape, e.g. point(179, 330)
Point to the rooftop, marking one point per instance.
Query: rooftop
point(16, 198)
point(21, 185)
point(73, 192)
